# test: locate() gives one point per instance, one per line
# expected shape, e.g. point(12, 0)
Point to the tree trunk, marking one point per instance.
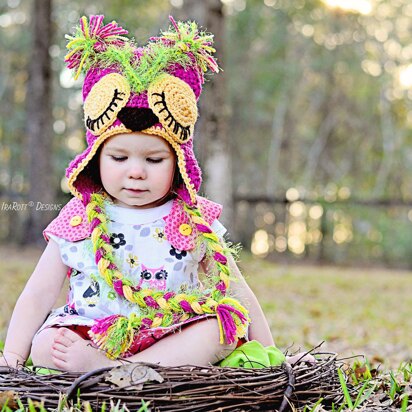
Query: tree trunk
point(389, 139)
point(39, 122)
point(212, 140)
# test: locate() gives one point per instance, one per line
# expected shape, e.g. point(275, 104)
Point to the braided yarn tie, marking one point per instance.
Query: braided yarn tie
point(115, 334)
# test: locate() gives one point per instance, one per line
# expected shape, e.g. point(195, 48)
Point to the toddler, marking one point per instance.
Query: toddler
point(136, 236)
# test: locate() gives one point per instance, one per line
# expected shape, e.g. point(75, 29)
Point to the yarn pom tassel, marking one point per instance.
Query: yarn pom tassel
point(233, 320)
point(113, 335)
point(92, 37)
point(186, 37)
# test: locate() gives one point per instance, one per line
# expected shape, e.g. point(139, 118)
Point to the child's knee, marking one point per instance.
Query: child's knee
point(210, 333)
point(41, 347)
point(225, 350)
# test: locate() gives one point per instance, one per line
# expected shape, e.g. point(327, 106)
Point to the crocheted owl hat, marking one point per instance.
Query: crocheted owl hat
point(152, 89)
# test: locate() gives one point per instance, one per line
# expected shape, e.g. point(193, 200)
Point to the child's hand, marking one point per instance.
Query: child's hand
point(11, 359)
point(301, 357)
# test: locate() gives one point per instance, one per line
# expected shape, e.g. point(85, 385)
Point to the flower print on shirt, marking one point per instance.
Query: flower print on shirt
point(153, 278)
point(159, 235)
point(117, 240)
point(72, 273)
point(178, 254)
point(132, 260)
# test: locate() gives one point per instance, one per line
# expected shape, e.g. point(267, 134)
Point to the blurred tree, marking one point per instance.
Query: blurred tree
point(13, 77)
point(318, 93)
point(212, 139)
point(39, 122)
point(319, 96)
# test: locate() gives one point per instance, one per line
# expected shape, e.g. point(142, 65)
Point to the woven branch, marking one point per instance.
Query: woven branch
point(184, 388)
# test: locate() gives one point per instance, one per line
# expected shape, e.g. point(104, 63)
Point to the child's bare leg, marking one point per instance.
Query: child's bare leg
point(41, 349)
point(197, 344)
point(301, 357)
point(64, 349)
point(70, 352)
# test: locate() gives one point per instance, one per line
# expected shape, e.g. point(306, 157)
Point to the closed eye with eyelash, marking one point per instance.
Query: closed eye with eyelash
point(184, 131)
point(99, 121)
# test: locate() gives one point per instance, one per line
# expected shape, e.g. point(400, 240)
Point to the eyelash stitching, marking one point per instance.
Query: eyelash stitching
point(90, 124)
point(185, 132)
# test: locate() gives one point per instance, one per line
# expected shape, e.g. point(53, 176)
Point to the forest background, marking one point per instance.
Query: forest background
point(305, 137)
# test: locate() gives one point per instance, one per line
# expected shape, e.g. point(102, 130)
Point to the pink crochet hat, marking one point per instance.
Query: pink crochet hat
point(153, 89)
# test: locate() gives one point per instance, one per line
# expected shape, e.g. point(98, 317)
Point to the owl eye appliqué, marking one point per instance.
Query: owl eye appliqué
point(174, 103)
point(104, 101)
point(172, 124)
point(99, 123)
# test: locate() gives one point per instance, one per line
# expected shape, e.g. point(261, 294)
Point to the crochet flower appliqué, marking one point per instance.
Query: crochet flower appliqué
point(159, 235)
point(178, 254)
point(117, 240)
point(132, 260)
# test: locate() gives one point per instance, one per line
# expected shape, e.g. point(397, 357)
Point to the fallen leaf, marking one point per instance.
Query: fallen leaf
point(9, 399)
point(133, 376)
point(360, 370)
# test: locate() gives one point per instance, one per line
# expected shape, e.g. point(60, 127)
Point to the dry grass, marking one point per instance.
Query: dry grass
point(356, 311)
point(16, 265)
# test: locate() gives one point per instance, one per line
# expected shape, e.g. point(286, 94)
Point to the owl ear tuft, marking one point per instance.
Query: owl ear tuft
point(91, 39)
point(186, 38)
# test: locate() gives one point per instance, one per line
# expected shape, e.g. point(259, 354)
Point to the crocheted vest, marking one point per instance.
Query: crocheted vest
point(71, 224)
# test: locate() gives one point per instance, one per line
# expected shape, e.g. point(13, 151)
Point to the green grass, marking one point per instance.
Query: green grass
point(35, 406)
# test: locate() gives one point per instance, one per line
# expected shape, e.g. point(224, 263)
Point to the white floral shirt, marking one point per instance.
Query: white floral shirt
point(144, 256)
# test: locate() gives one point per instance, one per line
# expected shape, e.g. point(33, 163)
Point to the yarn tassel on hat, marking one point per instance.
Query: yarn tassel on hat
point(187, 38)
point(92, 37)
point(115, 334)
